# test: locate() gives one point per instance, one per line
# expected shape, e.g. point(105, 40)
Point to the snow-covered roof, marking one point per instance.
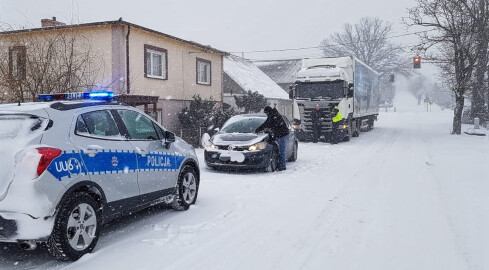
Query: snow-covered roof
point(249, 77)
point(281, 71)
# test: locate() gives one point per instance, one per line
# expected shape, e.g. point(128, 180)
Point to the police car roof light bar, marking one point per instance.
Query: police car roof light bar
point(98, 95)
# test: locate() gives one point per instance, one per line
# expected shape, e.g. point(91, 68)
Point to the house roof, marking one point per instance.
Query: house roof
point(250, 78)
point(281, 71)
point(118, 22)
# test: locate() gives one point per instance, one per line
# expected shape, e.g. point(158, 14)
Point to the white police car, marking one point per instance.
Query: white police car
point(70, 166)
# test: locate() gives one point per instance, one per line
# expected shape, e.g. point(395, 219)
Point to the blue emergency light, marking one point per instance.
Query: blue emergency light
point(98, 95)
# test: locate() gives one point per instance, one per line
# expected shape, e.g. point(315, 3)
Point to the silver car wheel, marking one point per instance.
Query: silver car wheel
point(189, 188)
point(82, 226)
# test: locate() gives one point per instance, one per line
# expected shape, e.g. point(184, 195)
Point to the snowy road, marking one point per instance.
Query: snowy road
point(406, 195)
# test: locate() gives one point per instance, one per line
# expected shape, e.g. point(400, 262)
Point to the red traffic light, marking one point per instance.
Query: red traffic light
point(417, 62)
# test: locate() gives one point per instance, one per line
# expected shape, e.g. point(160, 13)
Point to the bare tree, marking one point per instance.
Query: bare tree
point(368, 40)
point(418, 87)
point(52, 63)
point(479, 86)
point(453, 45)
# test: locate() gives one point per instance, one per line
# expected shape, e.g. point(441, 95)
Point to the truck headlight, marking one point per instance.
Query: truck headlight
point(257, 146)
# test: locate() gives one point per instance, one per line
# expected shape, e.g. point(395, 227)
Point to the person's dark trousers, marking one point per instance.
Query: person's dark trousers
point(282, 142)
point(316, 134)
point(335, 134)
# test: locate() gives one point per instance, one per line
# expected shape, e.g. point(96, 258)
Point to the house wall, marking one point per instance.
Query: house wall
point(181, 83)
point(108, 43)
point(283, 106)
point(118, 50)
point(230, 87)
point(96, 38)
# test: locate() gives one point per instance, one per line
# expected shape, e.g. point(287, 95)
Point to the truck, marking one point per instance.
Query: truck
point(343, 82)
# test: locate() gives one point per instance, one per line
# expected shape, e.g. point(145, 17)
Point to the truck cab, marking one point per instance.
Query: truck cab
point(343, 82)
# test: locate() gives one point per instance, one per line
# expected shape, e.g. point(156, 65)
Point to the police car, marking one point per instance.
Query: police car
point(70, 166)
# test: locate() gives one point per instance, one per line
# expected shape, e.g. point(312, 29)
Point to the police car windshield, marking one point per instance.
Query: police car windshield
point(242, 124)
point(14, 126)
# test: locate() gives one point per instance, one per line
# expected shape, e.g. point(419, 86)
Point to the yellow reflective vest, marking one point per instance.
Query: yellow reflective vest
point(338, 116)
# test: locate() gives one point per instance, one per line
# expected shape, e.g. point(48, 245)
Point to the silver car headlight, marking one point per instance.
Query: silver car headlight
point(257, 146)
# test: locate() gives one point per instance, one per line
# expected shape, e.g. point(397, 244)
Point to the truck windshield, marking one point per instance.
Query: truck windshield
point(333, 90)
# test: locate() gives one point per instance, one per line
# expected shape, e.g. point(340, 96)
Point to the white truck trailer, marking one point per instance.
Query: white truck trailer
point(345, 82)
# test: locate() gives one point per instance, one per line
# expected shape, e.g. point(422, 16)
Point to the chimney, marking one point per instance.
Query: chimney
point(51, 23)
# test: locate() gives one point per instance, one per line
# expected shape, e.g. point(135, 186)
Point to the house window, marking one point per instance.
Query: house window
point(155, 62)
point(203, 71)
point(17, 62)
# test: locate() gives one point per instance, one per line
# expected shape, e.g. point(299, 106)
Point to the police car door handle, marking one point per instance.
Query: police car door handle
point(142, 152)
point(92, 150)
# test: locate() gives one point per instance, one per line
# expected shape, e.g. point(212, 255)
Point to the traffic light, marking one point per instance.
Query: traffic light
point(417, 62)
point(391, 78)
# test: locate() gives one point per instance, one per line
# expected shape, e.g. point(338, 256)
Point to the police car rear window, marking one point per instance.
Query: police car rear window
point(97, 123)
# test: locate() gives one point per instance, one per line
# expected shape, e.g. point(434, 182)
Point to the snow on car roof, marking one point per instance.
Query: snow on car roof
point(35, 106)
point(23, 107)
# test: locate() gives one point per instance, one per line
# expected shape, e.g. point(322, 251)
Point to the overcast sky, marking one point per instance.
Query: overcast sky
point(232, 26)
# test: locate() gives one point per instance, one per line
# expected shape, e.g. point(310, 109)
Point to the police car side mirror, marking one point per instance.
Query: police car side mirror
point(169, 138)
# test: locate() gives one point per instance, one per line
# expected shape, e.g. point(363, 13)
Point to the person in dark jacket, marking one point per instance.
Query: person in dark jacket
point(317, 117)
point(277, 125)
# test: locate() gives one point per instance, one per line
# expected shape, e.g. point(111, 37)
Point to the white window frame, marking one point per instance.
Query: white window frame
point(164, 62)
point(202, 63)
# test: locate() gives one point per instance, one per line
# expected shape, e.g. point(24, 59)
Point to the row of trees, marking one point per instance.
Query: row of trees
point(457, 40)
point(423, 88)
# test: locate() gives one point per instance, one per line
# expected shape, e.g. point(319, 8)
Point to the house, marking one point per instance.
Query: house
point(282, 72)
point(241, 76)
point(142, 65)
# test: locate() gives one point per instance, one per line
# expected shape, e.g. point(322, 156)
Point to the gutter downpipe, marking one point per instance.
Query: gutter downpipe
point(128, 83)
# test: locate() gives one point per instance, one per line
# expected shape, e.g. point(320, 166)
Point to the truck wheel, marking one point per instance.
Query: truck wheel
point(355, 132)
point(187, 189)
point(370, 124)
point(76, 228)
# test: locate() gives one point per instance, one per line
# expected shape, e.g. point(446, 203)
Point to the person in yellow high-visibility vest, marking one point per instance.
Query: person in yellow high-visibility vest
point(336, 117)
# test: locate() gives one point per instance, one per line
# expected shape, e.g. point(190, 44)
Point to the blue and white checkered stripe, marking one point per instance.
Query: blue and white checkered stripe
point(73, 164)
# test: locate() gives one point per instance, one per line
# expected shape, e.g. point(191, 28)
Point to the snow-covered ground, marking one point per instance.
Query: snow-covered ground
point(407, 195)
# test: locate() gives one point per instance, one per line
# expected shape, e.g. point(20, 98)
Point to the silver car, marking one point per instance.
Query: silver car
point(71, 166)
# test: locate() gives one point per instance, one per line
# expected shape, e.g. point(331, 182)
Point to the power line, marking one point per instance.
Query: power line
point(322, 46)
point(312, 55)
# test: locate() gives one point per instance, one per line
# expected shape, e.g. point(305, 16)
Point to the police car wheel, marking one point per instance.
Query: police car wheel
point(76, 228)
point(187, 189)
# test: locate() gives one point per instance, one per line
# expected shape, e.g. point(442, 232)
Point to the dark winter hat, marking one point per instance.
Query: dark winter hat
point(268, 109)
